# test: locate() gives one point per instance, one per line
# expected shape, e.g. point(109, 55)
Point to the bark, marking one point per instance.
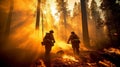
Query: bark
point(84, 24)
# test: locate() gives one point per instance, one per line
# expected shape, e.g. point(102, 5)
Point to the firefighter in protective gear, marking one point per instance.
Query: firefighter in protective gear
point(48, 42)
point(74, 39)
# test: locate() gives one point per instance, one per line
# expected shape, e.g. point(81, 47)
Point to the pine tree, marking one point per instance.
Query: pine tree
point(76, 9)
point(76, 18)
point(95, 14)
point(62, 9)
point(97, 24)
point(112, 14)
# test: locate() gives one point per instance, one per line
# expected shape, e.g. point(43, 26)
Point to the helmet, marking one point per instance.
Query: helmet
point(51, 31)
point(72, 32)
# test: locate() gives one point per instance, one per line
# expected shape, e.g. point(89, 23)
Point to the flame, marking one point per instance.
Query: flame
point(71, 58)
point(113, 50)
point(106, 63)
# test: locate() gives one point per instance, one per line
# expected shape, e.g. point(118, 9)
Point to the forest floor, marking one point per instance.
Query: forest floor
point(95, 58)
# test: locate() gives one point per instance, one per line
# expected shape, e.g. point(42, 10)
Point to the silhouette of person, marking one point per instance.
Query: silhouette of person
point(48, 42)
point(74, 39)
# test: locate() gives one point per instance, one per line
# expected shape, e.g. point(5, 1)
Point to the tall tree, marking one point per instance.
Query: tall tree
point(7, 31)
point(76, 9)
point(112, 14)
point(86, 40)
point(95, 14)
point(38, 14)
point(62, 9)
point(97, 24)
point(76, 18)
point(43, 3)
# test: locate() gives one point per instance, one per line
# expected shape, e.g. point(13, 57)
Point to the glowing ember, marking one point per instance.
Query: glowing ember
point(106, 63)
point(112, 50)
point(70, 58)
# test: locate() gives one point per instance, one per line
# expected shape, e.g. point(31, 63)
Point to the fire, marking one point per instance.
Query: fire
point(112, 50)
point(69, 58)
point(106, 63)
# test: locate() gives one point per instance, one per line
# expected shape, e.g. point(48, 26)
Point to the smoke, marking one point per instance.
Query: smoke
point(22, 29)
point(23, 35)
point(23, 45)
point(24, 41)
point(99, 38)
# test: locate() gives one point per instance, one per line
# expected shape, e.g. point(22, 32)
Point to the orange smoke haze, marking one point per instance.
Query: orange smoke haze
point(25, 42)
point(23, 33)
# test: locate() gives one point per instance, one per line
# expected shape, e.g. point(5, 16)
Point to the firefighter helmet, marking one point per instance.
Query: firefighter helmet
point(72, 32)
point(51, 31)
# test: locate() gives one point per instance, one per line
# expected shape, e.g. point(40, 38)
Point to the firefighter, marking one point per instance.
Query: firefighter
point(48, 42)
point(74, 39)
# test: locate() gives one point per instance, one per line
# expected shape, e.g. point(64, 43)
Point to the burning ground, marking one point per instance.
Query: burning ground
point(104, 58)
point(87, 58)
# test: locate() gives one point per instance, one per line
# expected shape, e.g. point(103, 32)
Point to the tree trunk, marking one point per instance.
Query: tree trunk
point(86, 40)
point(38, 15)
point(7, 31)
point(64, 16)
